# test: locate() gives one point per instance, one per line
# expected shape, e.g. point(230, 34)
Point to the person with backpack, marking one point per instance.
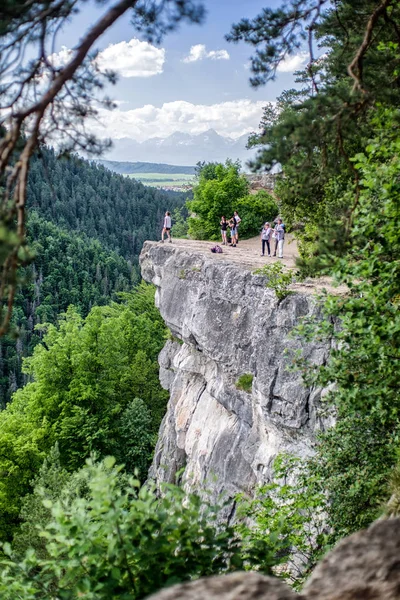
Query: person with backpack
point(167, 227)
point(237, 220)
point(266, 233)
point(224, 226)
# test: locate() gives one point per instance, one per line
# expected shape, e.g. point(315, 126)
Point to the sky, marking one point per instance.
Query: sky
point(195, 80)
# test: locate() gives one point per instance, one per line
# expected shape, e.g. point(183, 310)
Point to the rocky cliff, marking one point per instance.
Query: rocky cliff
point(226, 323)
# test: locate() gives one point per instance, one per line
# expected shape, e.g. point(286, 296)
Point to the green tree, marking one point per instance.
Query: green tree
point(86, 378)
point(119, 541)
point(51, 479)
point(217, 192)
point(255, 210)
point(289, 516)
point(355, 458)
point(313, 131)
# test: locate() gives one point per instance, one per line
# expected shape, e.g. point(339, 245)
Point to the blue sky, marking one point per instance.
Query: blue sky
point(158, 92)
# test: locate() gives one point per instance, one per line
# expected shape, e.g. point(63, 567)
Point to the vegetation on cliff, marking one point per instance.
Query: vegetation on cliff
point(336, 139)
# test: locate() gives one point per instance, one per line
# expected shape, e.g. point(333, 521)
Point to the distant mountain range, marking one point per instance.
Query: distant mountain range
point(131, 168)
point(181, 149)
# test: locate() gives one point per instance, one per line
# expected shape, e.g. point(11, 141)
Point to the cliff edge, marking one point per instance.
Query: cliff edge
point(225, 323)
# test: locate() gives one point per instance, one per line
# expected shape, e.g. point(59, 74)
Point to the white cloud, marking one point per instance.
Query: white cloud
point(218, 55)
point(128, 59)
point(293, 63)
point(132, 59)
point(231, 118)
point(199, 52)
point(59, 59)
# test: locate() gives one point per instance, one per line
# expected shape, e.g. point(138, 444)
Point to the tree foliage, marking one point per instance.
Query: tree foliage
point(314, 130)
point(335, 138)
point(86, 378)
point(221, 190)
point(85, 230)
point(355, 458)
point(44, 99)
point(289, 515)
point(121, 541)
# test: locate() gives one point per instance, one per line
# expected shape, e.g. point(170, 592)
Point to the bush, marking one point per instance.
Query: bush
point(217, 193)
point(255, 210)
point(289, 517)
point(279, 278)
point(120, 541)
point(245, 382)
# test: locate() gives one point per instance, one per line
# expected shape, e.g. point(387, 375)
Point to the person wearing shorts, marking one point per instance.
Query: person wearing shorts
point(232, 226)
point(167, 227)
point(224, 226)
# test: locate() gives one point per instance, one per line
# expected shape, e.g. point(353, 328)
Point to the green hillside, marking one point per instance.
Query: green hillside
point(130, 168)
point(87, 226)
point(83, 196)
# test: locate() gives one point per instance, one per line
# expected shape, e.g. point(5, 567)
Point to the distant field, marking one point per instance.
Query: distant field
point(164, 179)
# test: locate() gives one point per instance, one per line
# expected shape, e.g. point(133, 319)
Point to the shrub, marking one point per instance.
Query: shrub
point(120, 541)
point(279, 278)
point(217, 193)
point(289, 517)
point(245, 382)
point(255, 210)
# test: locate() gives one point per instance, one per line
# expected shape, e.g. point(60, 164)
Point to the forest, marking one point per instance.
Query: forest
point(85, 231)
point(77, 518)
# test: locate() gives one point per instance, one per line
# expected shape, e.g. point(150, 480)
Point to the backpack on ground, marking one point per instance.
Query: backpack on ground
point(216, 249)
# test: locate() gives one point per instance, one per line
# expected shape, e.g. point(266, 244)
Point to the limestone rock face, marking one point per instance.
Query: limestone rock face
point(236, 586)
point(365, 565)
point(227, 323)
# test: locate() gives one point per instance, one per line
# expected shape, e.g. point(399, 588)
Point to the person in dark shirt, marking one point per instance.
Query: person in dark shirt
point(224, 226)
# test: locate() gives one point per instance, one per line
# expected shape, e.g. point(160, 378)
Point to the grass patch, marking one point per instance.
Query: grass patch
point(163, 179)
point(245, 382)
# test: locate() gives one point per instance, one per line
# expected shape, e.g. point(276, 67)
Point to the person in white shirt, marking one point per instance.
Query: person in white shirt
point(167, 227)
point(279, 232)
point(237, 220)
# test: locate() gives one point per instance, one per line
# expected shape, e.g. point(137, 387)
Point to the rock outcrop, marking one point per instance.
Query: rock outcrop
point(226, 323)
point(364, 566)
point(236, 586)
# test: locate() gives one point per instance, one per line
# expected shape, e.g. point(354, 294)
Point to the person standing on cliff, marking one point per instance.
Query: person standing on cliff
point(279, 231)
point(232, 226)
point(265, 237)
point(167, 227)
point(224, 227)
point(237, 220)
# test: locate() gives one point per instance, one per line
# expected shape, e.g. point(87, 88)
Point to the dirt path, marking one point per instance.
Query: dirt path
point(248, 254)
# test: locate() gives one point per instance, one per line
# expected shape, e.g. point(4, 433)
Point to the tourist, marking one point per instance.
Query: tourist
point(224, 226)
point(232, 226)
point(237, 220)
point(167, 227)
point(279, 234)
point(266, 233)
